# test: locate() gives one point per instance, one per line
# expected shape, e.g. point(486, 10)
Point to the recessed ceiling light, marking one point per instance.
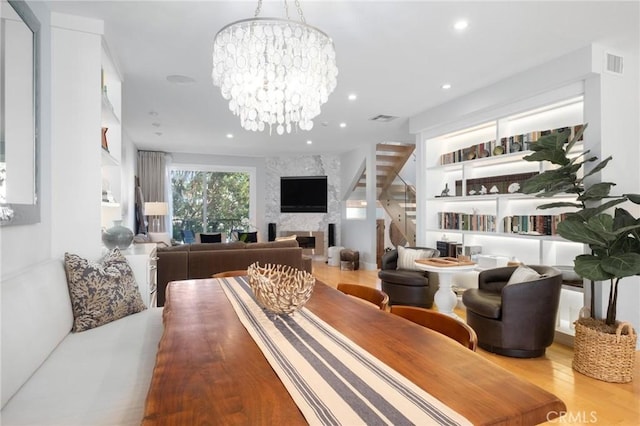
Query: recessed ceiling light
point(446, 86)
point(156, 124)
point(153, 113)
point(309, 142)
point(352, 97)
point(180, 79)
point(461, 24)
point(343, 125)
point(229, 135)
point(158, 133)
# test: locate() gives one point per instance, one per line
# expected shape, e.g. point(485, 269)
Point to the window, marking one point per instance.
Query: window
point(208, 201)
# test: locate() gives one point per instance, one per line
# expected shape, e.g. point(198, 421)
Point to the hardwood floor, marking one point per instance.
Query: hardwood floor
point(588, 401)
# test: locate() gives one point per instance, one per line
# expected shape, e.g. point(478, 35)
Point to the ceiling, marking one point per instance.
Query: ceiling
point(394, 55)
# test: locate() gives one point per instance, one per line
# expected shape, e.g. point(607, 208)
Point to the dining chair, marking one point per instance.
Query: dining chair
point(437, 321)
point(237, 273)
point(370, 294)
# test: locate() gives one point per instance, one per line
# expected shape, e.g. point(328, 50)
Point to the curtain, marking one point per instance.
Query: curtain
point(152, 172)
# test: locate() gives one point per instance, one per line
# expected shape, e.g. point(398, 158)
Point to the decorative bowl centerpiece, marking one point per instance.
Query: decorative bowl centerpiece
point(280, 289)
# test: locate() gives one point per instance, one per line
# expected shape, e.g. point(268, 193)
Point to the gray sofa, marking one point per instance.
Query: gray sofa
point(192, 261)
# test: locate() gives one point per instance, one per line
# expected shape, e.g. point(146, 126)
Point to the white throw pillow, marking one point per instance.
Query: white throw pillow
point(407, 257)
point(287, 238)
point(523, 274)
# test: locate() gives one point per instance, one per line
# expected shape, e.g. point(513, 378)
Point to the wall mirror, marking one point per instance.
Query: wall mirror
point(19, 114)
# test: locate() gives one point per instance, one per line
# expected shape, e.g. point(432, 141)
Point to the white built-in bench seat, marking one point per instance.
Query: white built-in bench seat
point(51, 376)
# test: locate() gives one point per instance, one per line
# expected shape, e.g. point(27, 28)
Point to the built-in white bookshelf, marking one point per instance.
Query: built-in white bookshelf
point(471, 199)
point(111, 141)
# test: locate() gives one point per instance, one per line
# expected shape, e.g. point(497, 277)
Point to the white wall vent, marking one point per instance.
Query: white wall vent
point(614, 63)
point(383, 118)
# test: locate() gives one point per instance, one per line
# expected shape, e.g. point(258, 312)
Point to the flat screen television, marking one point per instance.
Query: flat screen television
point(303, 194)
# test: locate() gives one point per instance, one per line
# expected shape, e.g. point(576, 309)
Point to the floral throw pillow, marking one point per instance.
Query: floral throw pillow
point(101, 292)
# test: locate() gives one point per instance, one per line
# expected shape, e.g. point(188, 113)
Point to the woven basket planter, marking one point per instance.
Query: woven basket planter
point(602, 355)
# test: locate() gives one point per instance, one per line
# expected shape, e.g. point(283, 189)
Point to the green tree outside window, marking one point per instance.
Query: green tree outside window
point(209, 201)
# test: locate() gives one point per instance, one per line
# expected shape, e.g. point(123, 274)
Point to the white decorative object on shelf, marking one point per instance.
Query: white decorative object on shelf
point(513, 188)
point(494, 190)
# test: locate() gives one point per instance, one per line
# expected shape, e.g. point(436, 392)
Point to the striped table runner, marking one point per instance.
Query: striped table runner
point(332, 380)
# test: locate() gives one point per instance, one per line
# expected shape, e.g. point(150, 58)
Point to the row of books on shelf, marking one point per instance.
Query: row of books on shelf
point(505, 145)
point(467, 222)
point(532, 224)
point(516, 224)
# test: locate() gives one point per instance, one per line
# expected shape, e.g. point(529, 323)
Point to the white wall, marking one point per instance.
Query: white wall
point(27, 245)
point(620, 133)
point(76, 120)
point(360, 234)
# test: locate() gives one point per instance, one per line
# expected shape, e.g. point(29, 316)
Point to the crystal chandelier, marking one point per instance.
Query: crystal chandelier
point(276, 73)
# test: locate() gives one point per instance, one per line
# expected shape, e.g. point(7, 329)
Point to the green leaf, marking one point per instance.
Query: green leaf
point(540, 182)
point(602, 225)
point(601, 165)
point(576, 216)
point(626, 229)
point(560, 188)
point(589, 267)
point(622, 218)
point(597, 191)
point(624, 245)
point(600, 252)
point(569, 169)
point(562, 136)
point(585, 214)
point(634, 198)
point(576, 137)
point(555, 156)
point(622, 265)
point(577, 231)
point(547, 142)
point(559, 204)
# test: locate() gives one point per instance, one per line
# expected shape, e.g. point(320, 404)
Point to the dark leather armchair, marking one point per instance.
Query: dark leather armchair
point(516, 320)
point(407, 287)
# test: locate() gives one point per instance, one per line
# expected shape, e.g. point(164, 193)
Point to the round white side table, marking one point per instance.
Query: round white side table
point(445, 299)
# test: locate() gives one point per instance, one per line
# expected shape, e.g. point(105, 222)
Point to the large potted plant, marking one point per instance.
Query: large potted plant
point(614, 240)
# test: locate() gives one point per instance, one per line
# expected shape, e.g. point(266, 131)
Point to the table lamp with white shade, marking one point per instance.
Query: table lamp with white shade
point(156, 209)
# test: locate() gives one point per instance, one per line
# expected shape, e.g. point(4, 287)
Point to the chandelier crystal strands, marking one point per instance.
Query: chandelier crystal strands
point(276, 73)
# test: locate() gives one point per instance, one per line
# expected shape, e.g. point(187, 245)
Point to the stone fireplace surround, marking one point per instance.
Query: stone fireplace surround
point(303, 240)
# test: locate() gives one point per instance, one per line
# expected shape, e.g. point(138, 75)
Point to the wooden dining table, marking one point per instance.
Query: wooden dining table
point(209, 370)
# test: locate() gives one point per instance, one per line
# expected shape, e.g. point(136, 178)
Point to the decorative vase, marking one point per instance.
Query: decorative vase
point(117, 236)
